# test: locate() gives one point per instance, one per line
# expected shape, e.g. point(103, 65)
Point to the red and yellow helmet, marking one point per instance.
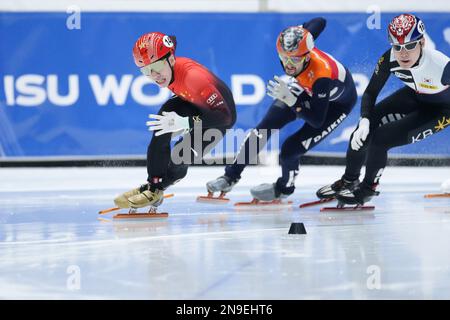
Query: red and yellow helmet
point(295, 41)
point(151, 47)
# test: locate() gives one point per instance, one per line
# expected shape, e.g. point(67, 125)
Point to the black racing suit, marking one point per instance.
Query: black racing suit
point(406, 116)
point(321, 113)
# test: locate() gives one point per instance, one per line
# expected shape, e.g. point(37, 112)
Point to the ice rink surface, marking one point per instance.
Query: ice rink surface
point(54, 246)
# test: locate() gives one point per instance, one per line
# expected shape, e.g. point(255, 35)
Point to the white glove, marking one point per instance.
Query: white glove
point(278, 89)
point(168, 122)
point(360, 135)
point(295, 88)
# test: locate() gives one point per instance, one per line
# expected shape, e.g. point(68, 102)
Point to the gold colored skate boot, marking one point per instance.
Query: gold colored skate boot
point(121, 201)
point(146, 198)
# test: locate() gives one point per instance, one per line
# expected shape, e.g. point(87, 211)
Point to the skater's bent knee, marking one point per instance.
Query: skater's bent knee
point(178, 171)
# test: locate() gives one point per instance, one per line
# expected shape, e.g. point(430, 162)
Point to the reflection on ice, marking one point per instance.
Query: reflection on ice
point(53, 244)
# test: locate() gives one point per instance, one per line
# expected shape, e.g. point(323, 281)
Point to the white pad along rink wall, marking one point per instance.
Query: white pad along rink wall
point(69, 88)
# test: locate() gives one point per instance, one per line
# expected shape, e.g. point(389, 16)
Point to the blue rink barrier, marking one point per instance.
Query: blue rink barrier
point(78, 93)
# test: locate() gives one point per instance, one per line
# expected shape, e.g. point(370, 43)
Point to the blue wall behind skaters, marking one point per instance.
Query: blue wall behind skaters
point(78, 92)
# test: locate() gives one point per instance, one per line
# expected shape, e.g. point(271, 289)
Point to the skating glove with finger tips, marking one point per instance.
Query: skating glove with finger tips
point(360, 134)
point(168, 122)
point(278, 89)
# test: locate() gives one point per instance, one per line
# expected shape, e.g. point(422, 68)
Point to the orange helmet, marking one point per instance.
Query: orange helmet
point(151, 47)
point(295, 41)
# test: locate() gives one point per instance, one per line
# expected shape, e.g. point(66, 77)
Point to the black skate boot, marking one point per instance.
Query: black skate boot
point(330, 191)
point(359, 195)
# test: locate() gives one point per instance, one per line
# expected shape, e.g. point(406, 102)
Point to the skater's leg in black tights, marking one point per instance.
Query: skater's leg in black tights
point(278, 115)
point(179, 164)
point(392, 108)
point(158, 151)
point(299, 143)
point(413, 128)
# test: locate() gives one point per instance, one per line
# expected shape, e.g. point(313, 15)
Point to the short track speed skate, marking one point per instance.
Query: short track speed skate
point(210, 198)
point(258, 204)
point(342, 207)
point(265, 196)
point(133, 213)
point(223, 185)
point(355, 199)
point(328, 193)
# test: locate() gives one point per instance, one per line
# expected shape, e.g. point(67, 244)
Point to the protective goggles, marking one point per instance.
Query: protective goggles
point(408, 47)
point(294, 60)
point(156, 66)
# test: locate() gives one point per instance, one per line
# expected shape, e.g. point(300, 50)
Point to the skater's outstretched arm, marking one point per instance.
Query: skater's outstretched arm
point(315, 26)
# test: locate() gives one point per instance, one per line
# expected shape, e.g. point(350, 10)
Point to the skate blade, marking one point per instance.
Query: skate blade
point(263, 205)
point(210, 198)
point(437, 195)
point(108, 210)
point(353, 208)
point(217, 200)
point(315, 203)
point(170, 195)
point(141, 215)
